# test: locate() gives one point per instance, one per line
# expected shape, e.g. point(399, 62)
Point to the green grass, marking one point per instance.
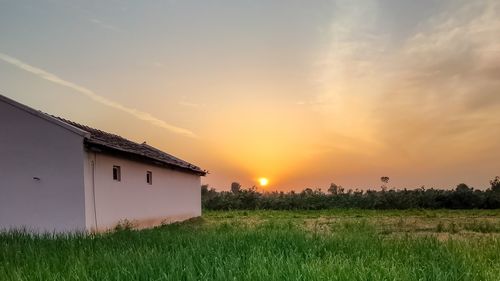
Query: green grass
point(271, 245)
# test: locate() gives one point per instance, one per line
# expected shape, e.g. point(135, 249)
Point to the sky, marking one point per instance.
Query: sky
point(304, 93)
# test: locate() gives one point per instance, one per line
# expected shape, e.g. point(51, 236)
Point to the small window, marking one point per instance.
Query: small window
point(117, 173)
point(149, 177)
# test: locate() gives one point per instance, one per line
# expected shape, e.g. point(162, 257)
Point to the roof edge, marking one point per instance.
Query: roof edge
point(100, 148)
point(44, 116)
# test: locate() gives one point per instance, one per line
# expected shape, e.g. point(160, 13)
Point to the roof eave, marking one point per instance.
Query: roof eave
point(102, 148)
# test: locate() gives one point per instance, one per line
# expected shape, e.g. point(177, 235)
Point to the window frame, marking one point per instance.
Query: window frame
point(117, 173)
point(149, 177)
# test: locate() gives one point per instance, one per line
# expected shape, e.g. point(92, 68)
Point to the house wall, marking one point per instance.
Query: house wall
point(31, 146)
point(88, 172)
point(173, 196)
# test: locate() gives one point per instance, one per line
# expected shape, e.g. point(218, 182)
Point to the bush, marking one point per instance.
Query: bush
point(462, 197)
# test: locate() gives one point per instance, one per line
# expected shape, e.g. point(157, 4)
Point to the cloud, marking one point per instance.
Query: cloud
point(433, 92)
point(446, 73)
point(105, 25)
point(191, 104)
point(95, 97)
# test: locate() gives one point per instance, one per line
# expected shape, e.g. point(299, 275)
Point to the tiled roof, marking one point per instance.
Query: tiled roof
point(116, 143)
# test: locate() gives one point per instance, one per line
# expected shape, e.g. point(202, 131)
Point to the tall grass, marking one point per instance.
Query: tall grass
point(273, 250)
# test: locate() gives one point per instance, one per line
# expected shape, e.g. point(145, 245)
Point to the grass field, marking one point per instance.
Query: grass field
point(272, 245)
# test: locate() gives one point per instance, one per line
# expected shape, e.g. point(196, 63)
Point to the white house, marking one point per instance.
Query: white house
point(60, 176)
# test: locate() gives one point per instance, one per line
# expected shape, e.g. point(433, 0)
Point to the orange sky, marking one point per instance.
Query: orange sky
point(303, 94)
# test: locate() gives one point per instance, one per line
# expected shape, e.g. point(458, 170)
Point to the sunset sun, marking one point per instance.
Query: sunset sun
point(263, 181)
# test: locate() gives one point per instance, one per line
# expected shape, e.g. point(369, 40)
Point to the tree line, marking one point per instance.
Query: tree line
point(461, 197)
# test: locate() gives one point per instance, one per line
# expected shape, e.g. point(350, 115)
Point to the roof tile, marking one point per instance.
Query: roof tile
point(118, 143)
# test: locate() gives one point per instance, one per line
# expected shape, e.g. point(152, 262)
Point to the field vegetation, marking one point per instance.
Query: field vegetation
point(335, 244)
point(461, 197)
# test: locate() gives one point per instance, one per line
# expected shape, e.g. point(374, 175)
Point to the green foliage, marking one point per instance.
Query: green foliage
point(124, 225)
point(235, 187)
point(495, 184)
point(482, 227)
point(278, 247)
point(335, 189)
point(462, 197)
point(440, 227)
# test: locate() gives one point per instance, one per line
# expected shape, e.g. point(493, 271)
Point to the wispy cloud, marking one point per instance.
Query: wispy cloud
point(95, 97)
point(434, 92)
point(105, 25)
point(190, 104)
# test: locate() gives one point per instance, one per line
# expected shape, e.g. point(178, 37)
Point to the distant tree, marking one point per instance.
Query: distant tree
point(307, 191)
point(235, 187)
point(204, 189)
point(385, 181)
point(495, 184)
point(463, 188)
point(335, 189)
point(461, 197)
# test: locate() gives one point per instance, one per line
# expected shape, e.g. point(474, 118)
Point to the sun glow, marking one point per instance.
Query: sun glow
point(263, 181)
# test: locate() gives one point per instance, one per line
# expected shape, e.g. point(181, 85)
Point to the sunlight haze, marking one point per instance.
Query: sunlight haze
point(304, 93)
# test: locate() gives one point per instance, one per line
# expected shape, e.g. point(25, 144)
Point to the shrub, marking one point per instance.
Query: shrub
point(462, 197)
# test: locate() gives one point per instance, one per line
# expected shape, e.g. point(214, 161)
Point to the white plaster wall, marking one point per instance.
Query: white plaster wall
point(34, 147)
point(88, 172)
point(173, 195)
